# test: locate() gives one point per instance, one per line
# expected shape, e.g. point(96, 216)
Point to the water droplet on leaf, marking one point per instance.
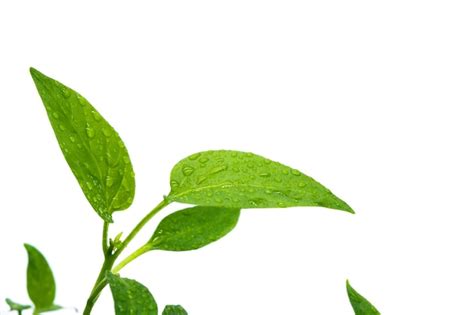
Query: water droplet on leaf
point(187, 170)
point(90, 132)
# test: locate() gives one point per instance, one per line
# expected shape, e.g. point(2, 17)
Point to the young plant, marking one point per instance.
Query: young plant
point(39, 283)
point(218, 183)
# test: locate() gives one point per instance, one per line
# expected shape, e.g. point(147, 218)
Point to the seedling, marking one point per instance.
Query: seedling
point(217, 183)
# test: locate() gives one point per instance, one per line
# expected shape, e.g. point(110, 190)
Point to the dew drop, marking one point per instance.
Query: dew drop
point(55, 115)
point(126, 160)
point(72, 138)
point(174, 184)
point(203, 160)
point(302, 185)
point(218, 169)
point(96, 116)
point(109, 181)
point(285, 172)
point(281, 204)
point(201, 179)
point(66, 93)
point(296, 172)
point(264, 175)
point(81, 100)
point(106, 132)
point(187, 170)
point(194, 156)
point(89, 185)
point(62, 127)
point(90, 132)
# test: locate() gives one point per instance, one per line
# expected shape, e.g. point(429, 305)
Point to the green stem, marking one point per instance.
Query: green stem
point(142, 250)
point(110, 257)
point(105, 232)
point(140, 225)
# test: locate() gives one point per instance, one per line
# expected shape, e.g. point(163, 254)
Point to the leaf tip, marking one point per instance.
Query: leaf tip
point(348, 285)
point(28, 247)
point(35, 74)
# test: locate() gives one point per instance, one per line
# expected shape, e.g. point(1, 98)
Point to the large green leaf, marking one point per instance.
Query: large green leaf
point(193, 228)
point(360, 305)
point(92, 148)
point(40, 280)
point(174, 310)
point(244, 180)
point(131, 297)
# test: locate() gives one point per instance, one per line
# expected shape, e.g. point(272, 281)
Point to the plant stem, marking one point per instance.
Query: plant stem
point(142, 250)
point(140, 225)
point(105, 233)
point(110, 257)
point(106, 266)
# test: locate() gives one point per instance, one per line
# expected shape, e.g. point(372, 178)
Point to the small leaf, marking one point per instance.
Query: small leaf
point(40, 280)
point(131, 297)
point(17, 306)
point(174, 310)
point(244, 180)
point(193, 228)
point(92, 148)
point(360, 305)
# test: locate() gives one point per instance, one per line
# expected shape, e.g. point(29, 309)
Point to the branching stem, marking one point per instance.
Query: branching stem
point(111, 256)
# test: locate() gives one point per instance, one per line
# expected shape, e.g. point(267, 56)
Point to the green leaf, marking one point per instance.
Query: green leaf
point(174, 310)
point(241, 180)
point(92, 148)
point(17, 306)
point(360, 305)
point(40, 280)
point(131, 297)
point(193, 228)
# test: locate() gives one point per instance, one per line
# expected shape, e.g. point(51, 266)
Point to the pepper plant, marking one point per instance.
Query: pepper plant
point(217, 183)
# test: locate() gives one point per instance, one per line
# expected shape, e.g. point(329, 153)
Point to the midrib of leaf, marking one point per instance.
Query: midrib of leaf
point(121, 180)
point(234, 186)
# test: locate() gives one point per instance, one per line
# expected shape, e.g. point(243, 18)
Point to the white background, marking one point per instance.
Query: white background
point(371, 98)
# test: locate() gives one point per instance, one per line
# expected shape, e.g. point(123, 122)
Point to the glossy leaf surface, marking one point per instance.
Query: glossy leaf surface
point(360, 304)
point(174, 310)
point(193, 228)
point(40, 280)
point(92, 148)
point(131, 297)
point(244, 180)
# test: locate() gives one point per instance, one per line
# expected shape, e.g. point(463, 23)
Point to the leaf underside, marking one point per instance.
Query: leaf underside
point(193, 228)
point(174, 310)
point(360, 304)
point(40, 280)
point(92, 148)
point(241, 180)
point(131, 297)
